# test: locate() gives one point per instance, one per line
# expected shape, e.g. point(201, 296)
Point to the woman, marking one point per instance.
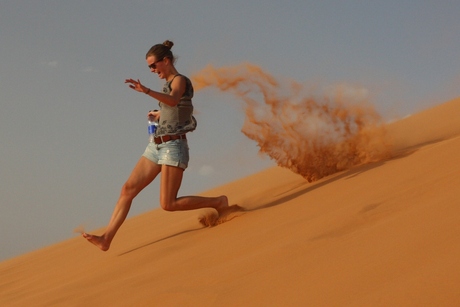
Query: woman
point(168, 154)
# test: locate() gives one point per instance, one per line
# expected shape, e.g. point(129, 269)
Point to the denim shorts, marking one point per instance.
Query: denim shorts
point(173, 153)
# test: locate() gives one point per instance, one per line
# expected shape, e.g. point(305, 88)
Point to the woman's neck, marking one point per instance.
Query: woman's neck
point(171, 73)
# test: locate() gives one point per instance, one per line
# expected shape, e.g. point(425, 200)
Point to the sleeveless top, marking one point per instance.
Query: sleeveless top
point(178, 119)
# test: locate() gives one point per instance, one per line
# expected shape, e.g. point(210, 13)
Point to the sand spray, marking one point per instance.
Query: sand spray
point(313, 133)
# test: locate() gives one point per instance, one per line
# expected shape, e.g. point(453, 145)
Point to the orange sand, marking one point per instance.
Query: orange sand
point(379, 234)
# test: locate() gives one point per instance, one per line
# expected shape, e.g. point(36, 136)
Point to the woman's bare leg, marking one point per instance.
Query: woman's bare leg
point(142, 175)
point(171, 179)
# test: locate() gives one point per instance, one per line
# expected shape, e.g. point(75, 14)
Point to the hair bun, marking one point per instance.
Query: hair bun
point(168, 44)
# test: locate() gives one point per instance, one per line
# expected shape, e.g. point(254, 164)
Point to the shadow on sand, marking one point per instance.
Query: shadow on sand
point(159, 240)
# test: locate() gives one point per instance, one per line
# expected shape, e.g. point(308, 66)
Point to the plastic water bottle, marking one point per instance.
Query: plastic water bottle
point(152, 127)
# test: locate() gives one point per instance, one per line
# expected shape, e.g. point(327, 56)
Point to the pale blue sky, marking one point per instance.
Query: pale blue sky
point(71, 130)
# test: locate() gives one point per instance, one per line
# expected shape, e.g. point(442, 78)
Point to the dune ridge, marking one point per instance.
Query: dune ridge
point(385, 233)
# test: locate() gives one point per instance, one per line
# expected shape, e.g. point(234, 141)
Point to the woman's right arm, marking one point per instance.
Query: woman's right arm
point(177, 90)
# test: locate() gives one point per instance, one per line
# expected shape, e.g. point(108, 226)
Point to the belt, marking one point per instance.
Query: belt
point(167, 138)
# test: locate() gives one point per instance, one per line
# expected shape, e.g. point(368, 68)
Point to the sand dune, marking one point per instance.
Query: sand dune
point(380, 234)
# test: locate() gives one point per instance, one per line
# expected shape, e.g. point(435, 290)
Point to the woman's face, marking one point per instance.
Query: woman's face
point(156, 66)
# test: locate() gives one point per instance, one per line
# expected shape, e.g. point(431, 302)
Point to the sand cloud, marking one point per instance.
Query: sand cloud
point(314, 132)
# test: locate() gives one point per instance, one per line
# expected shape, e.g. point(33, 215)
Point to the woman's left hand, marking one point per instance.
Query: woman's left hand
point(136, 85)
point(155, 114)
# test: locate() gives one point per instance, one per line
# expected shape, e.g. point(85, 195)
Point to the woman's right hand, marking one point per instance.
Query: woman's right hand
point(136, 85)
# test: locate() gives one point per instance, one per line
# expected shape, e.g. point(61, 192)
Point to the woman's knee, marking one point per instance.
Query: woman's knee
point(168, 205)
point(129, 190)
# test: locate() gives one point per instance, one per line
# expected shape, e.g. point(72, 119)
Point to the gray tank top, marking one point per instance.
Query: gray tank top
point(178, 119)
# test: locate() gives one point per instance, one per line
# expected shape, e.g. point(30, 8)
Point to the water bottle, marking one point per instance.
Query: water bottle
point(152, 127)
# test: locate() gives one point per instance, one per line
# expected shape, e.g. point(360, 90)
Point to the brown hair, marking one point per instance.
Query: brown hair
point(161, 51)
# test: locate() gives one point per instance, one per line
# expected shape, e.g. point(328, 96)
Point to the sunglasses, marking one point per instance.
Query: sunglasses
point(154, 64)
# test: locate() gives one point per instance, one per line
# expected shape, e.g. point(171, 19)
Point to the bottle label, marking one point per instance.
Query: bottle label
point(152, 129)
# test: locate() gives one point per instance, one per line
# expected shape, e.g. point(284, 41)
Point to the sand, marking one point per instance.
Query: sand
point(379, 234)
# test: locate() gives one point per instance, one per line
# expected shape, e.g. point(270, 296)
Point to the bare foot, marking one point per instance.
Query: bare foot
point(223, 204)
point(229, 209)
point(224, 209)
point(99, 241)
point(223, 212)
point(212, 219)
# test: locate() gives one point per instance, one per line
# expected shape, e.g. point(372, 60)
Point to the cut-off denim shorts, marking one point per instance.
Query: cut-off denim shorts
point(173, 153)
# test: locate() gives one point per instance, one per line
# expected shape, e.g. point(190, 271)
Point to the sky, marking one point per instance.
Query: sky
point(71, 131)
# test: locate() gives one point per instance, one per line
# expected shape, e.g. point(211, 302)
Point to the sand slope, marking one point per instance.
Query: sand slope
point(382, 234)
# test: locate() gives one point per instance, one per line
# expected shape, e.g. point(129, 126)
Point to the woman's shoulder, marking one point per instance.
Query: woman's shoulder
point(181, 76)
point(188, 92)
